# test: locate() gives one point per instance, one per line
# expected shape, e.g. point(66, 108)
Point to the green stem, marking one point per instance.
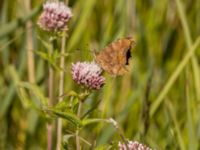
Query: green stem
point(30, 55)
point(50, 92)
point(77, 131)
point(61, 92)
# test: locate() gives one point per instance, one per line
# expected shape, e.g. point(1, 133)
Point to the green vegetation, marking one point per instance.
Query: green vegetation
point(157, 102)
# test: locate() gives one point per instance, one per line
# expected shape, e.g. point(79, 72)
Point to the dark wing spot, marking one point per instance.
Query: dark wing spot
point(128, 55)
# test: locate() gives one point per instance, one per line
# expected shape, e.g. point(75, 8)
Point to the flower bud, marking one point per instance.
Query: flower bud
point(88, 74)
point(133, 145)
point(54, 17)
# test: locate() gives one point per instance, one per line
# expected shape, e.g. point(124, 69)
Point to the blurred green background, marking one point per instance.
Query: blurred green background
point(156, 103)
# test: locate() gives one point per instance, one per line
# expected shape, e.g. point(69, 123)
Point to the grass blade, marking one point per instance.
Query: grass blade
point(173, 78)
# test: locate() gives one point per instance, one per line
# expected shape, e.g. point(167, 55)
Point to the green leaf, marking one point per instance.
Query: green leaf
point(66, 115)
point(50, 59)
point(43, 55)
point(61, 105)
point(70, 93)
point(44, 43)
point(86, 12)
point(91, 109)
point(67, 102)
point(18, 22)
point(36, 91)
point(66, 137)
point(14, 76)
point(25, 100)
point(103, 147)
point(173, 77)
point(91, 121)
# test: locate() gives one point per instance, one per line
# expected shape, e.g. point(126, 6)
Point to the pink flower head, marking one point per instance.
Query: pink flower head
point(88, 74)
point(55, 16)
point(133, 145)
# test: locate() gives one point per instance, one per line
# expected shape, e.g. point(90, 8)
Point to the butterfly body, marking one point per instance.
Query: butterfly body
point(114, 58)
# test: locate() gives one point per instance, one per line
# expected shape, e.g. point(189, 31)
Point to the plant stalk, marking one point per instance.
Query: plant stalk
point(30, 55)
point(50, 94)
point(61, 89)
point(77, 131)
point(61, 92)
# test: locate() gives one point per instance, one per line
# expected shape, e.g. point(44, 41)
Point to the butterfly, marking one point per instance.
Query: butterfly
point(115, 57)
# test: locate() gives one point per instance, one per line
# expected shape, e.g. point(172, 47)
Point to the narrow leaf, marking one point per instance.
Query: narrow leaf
point(36, 91)
point(68, 116)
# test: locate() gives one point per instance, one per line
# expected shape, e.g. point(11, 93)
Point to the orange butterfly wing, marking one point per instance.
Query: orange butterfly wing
point(114, 57)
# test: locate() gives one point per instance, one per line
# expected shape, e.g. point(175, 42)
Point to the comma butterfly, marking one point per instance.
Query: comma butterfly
point(114, 58)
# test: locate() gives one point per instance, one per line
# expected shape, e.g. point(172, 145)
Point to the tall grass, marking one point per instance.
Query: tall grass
point(157, 102)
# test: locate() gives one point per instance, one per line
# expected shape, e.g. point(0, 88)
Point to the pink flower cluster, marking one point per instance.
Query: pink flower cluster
point(88, 74)
point(133, 145)
point(54, 17)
